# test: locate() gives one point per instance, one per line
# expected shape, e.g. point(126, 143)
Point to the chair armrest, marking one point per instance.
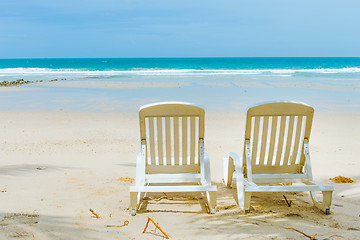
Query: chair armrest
point(229, 167)
point(235, 157)
point(140, 165)
point(247, 156)
point(307, 160)
point(238, 162)
point(205, 169)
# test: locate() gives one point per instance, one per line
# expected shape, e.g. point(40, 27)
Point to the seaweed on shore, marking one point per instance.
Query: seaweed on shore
point(14, 83)
point(20, 82)
point(341, 179)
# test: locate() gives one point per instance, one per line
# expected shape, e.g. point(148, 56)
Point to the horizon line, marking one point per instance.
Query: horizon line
point(170, 57)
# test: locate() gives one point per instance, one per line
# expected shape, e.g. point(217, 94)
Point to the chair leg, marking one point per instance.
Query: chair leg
point(244, 199)
point(325, 204)
point(327, 197)
point(247, 200)
point(240, 194)
point(211, 197)
point(133, 202)
point(228, 168)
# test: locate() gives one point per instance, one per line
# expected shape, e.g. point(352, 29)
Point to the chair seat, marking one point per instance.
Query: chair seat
point(187, 188)
point(300, 188)
point(173, 178)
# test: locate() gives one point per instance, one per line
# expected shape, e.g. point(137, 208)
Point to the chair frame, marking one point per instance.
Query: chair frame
point(169, 176)
point(249, 181)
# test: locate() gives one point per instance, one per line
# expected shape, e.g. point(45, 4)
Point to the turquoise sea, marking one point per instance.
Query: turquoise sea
point(126, 67)
point(105, 84)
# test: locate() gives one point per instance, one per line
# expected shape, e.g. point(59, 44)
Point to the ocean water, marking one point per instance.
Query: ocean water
point(104, 68)
point(105, 84)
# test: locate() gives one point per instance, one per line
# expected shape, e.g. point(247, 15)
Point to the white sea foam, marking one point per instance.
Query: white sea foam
point(167, 72)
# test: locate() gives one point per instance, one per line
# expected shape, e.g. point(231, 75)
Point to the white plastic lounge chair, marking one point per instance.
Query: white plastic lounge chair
point(172, 152)
point(276, 151)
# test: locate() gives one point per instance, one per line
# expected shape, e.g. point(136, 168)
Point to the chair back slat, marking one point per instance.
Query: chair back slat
point(168, 137)
point(272, 140)
point(173, 131)
point(184, 141)
point(280, 140)
point(192, 139)
point(276, 132)
point(297, 139)
point(176, 141)
point(289, 139)
point(265, 124)
point(152, 140)
point(255, 140)
point(159, 136)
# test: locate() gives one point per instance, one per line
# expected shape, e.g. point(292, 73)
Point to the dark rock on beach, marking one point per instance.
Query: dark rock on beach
point(21, 82)
point(14, 83)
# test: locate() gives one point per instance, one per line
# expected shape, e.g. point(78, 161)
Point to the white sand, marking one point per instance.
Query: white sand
point(55, 166)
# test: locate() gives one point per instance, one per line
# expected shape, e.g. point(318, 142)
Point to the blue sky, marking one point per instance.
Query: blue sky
point(196, 28)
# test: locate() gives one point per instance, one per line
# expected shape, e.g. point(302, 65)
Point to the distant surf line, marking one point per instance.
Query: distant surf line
point(168, 72)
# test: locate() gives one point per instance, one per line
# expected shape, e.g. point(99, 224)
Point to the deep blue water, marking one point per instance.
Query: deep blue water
point(241, 63)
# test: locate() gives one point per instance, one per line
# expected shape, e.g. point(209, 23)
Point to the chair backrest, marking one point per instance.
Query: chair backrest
point(172, 131)
point(276, 132)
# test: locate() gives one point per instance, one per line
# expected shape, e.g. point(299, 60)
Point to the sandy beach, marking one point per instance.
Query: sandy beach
point(56, 166)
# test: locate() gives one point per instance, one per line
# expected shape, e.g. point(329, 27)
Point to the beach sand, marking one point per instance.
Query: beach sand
point(56, 166)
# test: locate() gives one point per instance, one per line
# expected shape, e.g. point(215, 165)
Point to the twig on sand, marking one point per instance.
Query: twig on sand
point(126, 222)
point(310, 237)
point(92, 211)
point(162, 197)
point(157, 226)
point(288, 203)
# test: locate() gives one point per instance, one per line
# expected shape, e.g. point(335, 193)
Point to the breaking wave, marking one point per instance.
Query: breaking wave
point(168, 72)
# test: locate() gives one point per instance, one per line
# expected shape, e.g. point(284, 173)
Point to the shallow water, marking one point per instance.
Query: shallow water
point(218, 84)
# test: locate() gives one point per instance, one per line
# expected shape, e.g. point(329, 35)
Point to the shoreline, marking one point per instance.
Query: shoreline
point(229, 95)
